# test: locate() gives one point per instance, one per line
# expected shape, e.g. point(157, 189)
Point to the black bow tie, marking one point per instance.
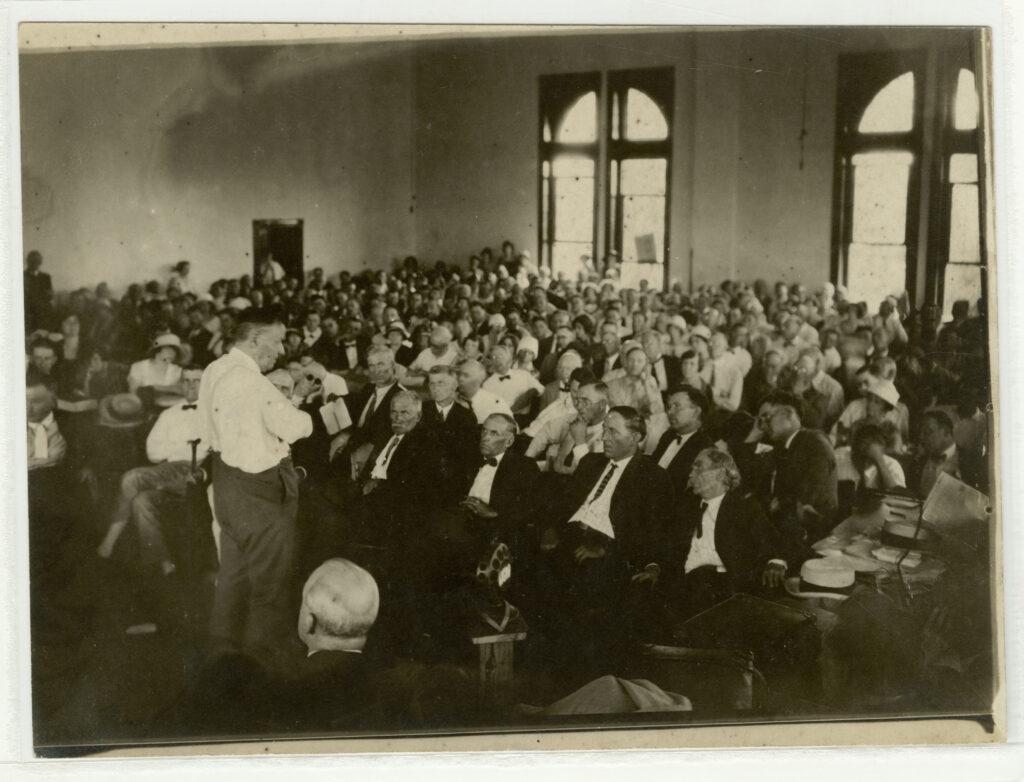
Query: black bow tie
point(349, 344)
point(504, 377)
point(564, 389)
point(492, 462)
point(679, 439)
point(189, 407)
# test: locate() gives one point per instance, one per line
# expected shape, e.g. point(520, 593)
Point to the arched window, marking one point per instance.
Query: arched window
point(962, 275)
point(878, 168)
point(639, 153)
point(618, 135)
point(569, 155)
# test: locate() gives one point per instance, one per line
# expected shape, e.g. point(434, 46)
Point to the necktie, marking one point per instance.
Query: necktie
point(492, 462)
point(371, 406)
point(387, 451)
point(564, 389)
point(679, 439)
point(504, 377)
point(604, 481)
point(700, 523)
point(41, 448)
point(189, 407)
point(443, 412)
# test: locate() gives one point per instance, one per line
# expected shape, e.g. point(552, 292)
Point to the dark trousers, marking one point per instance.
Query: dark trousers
point(256, 512)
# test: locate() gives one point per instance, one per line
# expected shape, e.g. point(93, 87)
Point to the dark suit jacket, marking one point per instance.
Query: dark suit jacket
point(514, 491)
point(334, 356)
point(805, 473)
point(376, 424)
point(414, 478)
point(639, 507)
point(459, 438)
point(679, 468)
point(601, 365)
point(744, 539)
point(673, 371)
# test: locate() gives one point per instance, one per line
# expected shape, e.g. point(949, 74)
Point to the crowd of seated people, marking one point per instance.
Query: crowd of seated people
point(637, 455)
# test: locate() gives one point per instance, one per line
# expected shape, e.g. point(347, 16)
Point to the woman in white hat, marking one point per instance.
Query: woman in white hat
point(160, 371)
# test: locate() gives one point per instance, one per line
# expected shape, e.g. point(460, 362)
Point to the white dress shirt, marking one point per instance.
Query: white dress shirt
point(484, 403)
point(726, 383)
point(593, 444)
point(674, 447)
point(149, 373)
point(558, 409)
point(512, 384)
point(46, 445)
point(595, 512)
point(244, 417)
point(484, 481)
point(426, 359)
point(702, 549)
point(169, 438)
point(658, 368)
point(742, 358)
point(309, 338)
point(379, 392)
point(380, 467)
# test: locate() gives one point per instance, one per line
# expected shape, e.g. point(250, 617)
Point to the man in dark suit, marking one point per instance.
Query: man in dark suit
point(399, 479)
point(686, 438)
point(804, 496)
point(597, 565)
point(723, 543)
point(350, 348)
point(666, 369)
point(455, 428)
point(609, 356)
point(370, 407)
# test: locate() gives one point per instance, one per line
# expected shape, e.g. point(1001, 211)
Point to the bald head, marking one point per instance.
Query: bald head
point(471, 375)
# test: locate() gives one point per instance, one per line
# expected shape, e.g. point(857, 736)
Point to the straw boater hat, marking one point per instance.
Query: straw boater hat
point(166, 341)
point(830, 577)
point(120, 411)
point(679, 322)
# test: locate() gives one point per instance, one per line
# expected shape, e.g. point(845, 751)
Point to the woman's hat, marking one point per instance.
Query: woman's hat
point(702, 331)
point(831, 577)
point(885, 390)
point(679, 322)
point(396, 325)
point(166, 341)
point(120, 411)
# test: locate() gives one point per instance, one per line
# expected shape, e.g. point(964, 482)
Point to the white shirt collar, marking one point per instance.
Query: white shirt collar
point(789, 441)
point(714, 504)
point(245, 358)
point(949, 453)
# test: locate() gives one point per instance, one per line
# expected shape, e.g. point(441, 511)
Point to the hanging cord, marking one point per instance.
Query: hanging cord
point(803, 109)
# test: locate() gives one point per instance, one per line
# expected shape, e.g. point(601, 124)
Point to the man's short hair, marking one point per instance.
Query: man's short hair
point(42, 343)
point(34, 378)
point(634, 421)
point(721, 459)
point(509, 420)
point(343, 599)
point(380, 350)
point(583, 375)
point(696, 396)
point(441, 369)
point(941, 419)
point(412, 398)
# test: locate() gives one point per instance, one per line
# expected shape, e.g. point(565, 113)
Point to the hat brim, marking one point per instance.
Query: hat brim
point(792, 585)
point(106, 421)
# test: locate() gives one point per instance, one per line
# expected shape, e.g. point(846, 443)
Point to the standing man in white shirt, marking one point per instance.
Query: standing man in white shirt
point(249, 427)
point(145, 489)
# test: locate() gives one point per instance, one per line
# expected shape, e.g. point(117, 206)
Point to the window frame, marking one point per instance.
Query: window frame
point(861, 76)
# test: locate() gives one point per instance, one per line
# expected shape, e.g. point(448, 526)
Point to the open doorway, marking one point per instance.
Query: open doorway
point(280, 241)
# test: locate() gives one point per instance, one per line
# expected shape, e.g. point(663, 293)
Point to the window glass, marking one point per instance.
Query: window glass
point(876, 271)
point(892, 109)
point(644, 120)
point(579, 125)
point(965, 107)
point(880, 182)
point(964, 239)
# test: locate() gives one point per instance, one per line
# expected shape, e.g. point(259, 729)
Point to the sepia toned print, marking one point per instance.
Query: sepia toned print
point(489, 383)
